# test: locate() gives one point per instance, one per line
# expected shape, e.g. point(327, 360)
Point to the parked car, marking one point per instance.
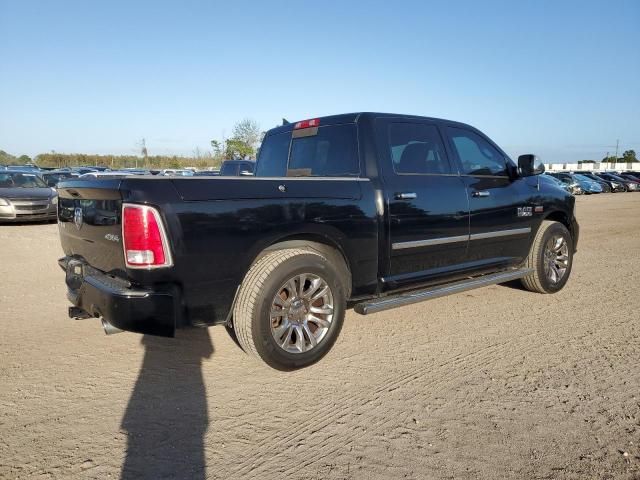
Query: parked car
point(629, 185)
point(53, 177)
point(23, 168)
point(98, 168)
point(635, 175)
point(24, 196)
point(616, 185)
point(587, 186)
point(574, 186)
point(551, 180)
point(366, 210)
point(176, 172)
point(206, 173)
point(631, 177)
point(136, 171)
point(235, 168)
point(82, 170)
point(105, 175)
point(606, 186)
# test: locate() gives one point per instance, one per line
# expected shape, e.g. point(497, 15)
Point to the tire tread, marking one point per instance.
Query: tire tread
point(252, 285)
point(532, 282)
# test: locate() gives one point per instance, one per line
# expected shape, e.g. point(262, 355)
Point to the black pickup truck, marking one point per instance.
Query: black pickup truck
point(367, 211)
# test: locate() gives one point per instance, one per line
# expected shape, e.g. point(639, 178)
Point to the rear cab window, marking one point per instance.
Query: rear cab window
point(324, 151)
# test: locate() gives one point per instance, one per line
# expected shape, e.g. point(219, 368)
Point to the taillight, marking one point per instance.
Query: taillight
point(307, 124)
point(144, 239)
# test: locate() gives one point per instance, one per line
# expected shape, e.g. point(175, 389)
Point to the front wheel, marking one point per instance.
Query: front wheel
point(550, 257)
point(290, 308)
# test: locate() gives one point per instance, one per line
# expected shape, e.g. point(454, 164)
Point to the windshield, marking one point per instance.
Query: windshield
point(565, 179)
point(582, 177)
point(52, 179)
point(551, 179)
point(614, 177)
point(20, 180)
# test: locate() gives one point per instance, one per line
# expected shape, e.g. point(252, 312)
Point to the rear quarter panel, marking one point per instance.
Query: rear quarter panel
point(218, 226)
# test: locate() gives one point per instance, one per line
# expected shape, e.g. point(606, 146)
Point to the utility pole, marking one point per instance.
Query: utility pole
point(617, 144)
point(143, 150)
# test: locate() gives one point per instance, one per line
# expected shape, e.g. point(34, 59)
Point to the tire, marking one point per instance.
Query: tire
point(545, 277)
point(267, 289)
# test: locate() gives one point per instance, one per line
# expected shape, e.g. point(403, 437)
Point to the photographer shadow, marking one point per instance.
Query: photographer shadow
point(167, 417)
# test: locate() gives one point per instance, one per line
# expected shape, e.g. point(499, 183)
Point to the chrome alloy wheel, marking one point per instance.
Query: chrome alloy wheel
point(556, 258)
point(301, 313)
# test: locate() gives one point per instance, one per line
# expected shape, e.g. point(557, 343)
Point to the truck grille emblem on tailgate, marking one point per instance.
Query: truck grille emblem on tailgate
point(77, 218)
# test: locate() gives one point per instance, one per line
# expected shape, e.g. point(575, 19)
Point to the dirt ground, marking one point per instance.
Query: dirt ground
point(494, 383)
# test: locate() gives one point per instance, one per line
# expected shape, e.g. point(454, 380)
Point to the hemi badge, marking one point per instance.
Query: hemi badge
point(539, 209)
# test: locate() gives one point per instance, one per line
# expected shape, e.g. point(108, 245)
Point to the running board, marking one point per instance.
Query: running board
point(407, 298)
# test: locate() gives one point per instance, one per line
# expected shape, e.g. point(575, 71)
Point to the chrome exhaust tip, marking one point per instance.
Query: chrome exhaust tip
point(109, 329)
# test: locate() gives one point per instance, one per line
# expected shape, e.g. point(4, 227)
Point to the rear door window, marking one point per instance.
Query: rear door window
point(417, 149)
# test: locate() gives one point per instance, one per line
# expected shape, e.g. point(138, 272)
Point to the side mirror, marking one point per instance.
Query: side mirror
point(529, 165)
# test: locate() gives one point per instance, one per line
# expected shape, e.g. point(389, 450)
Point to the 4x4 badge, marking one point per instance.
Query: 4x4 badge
point(77, 218)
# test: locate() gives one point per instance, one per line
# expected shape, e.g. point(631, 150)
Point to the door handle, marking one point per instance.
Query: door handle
point(481, 193)
point(406, 196)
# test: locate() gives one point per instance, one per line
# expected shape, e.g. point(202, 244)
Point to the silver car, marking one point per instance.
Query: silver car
point(25, 197)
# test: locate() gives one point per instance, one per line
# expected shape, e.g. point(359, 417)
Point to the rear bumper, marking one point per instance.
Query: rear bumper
point(153, 312)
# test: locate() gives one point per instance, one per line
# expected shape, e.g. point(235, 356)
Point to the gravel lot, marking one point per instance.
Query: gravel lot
point(493, 383)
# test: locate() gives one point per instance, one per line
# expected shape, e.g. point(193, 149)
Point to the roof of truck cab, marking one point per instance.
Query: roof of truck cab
point(355, 117)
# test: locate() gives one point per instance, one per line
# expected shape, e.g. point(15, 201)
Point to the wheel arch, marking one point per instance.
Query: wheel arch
point(559, 216)
point(326, 243)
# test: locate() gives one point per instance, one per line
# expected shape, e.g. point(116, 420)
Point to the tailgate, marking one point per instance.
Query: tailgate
point(89, 216)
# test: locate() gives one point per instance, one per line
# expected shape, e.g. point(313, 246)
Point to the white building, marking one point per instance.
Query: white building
point(592, 167)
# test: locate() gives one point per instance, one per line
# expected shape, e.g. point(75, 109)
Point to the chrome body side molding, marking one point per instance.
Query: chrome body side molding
point(432, 241)
point(460, 238)
point(500, 233)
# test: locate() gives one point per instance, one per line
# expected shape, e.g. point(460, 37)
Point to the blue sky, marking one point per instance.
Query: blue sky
point(557, 78)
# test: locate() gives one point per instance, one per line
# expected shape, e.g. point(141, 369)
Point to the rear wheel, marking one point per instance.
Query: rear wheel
point(290, 308)
point(550, 257)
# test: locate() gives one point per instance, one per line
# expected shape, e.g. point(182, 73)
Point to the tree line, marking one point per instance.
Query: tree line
point(628, 156)
point(243, 143)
